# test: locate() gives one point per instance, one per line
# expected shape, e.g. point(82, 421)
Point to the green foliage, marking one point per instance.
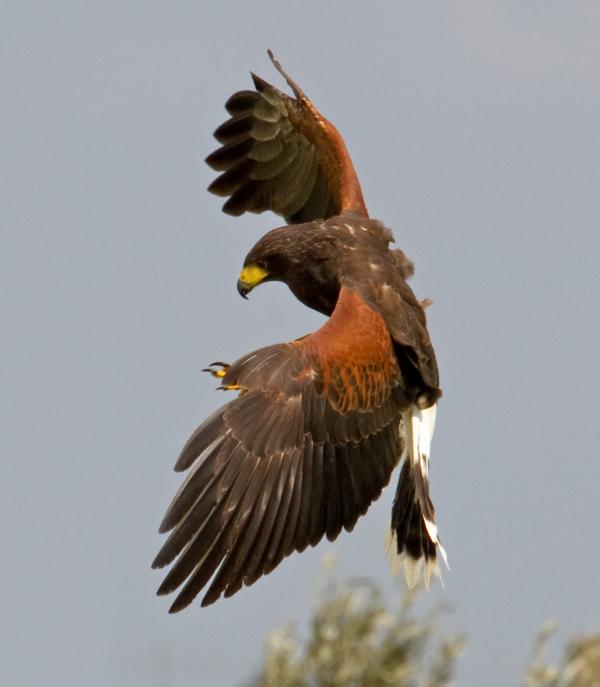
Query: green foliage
point(355, 640)
point(580, 665)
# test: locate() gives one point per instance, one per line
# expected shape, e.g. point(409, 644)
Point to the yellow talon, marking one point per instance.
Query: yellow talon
point(219, 370)
point(219, 374)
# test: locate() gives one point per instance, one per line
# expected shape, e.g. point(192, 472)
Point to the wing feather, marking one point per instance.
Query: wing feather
point(301, 453)
point(273, 556)
point(256, 564)
point(279, 153)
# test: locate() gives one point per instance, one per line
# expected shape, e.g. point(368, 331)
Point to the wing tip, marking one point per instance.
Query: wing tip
point(178, 605)
point(259, 83)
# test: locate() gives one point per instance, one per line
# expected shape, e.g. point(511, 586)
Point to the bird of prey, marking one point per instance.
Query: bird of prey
point(319, 423)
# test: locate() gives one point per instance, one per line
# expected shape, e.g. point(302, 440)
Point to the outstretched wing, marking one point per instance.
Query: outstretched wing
point(279, 153)
point(302, 452)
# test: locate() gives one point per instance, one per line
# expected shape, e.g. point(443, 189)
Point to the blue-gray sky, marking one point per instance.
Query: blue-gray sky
point(474, 127)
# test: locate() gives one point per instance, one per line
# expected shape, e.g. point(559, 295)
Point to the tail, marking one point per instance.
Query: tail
point(413, 537)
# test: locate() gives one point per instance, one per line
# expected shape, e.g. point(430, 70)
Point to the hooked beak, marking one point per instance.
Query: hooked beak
point(243, 289)
point(250, 276)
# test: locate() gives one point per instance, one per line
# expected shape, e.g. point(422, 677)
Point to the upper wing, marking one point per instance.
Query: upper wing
point(279, 153)
point(406, 320)
point(304, 449)
point(382, 285)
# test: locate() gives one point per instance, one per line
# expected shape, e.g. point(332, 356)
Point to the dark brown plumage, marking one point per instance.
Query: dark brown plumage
point(279, 153)
point(321, 422)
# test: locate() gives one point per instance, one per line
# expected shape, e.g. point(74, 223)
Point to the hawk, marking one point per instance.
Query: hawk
point(319, 423)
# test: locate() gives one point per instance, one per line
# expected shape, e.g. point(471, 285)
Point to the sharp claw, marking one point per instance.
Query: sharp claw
point(219, 374)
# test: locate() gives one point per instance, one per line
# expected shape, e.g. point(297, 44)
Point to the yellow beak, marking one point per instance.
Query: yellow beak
point(250, 276)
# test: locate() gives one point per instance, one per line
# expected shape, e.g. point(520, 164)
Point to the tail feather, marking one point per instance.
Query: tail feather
point(413, 541)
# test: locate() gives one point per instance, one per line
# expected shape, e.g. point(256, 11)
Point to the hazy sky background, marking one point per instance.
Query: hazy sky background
point(475, 129)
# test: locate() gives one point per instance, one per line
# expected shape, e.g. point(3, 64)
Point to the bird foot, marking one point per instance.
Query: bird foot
point(220, 370)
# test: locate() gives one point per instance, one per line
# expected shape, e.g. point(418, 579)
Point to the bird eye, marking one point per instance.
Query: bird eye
point(262, 264)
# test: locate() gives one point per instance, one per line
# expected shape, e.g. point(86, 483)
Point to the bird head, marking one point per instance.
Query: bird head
point(305, 257)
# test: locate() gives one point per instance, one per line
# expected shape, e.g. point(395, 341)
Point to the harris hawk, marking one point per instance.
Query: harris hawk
point(319, 423)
